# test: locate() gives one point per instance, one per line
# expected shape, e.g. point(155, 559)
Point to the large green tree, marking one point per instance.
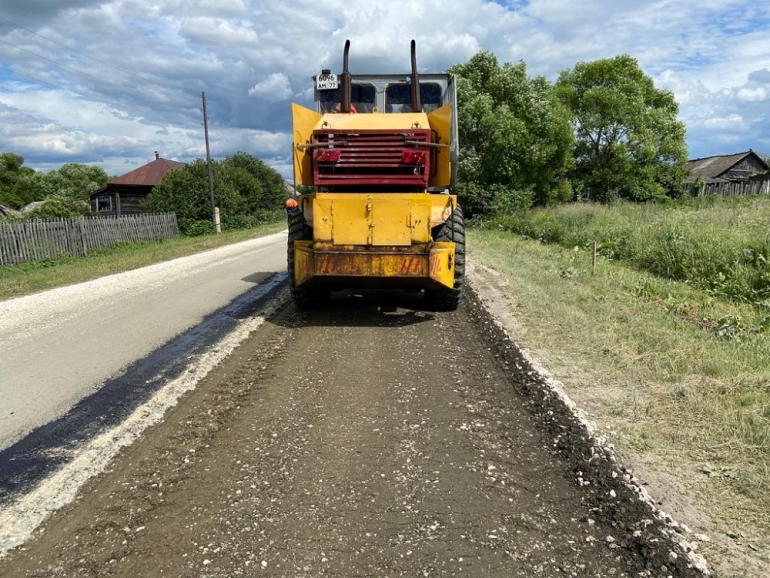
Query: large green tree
point(19, 185)
point(628, 140)
point(246, 191)
point(71, 184)
point(75, 181)
point(515, 137)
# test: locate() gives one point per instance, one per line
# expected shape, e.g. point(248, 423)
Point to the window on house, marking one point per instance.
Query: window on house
point(104, 204)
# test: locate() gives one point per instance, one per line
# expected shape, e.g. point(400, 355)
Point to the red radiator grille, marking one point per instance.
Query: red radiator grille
point(370, 157)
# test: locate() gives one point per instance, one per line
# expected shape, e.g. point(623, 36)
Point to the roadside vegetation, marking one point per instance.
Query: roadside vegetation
point(665, 345)
point(58, 193)
point(719, 245)
point(248, 193)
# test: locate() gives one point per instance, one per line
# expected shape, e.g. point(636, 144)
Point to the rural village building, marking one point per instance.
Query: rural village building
point(736, 174)
point(123, 195)
point(726, 168)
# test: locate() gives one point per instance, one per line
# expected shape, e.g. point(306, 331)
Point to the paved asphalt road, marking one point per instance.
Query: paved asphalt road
point(62, 345)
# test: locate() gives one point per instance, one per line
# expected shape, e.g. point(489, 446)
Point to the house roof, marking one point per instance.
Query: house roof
point(148, 175)
point(711, 168)
point(9, 212)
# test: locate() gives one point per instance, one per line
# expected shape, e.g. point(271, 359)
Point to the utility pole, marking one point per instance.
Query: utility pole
point(214, 209)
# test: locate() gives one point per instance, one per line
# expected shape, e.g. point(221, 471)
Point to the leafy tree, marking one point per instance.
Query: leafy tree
point(19, 185)
point(71, 184)
point(246, 191)
point(184, 191)
point(54, 207)
point(628, 141)
point(29, 187)
point(515, 138)
point(261, 186)
point(75, 181)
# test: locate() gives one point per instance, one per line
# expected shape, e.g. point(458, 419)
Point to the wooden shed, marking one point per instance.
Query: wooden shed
point(123, 195)
point(739, 167)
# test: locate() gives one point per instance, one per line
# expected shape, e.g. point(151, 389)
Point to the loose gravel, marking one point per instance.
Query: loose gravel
point(372, 438)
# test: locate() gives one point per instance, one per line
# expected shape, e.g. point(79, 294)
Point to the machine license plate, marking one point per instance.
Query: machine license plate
point(327, 82)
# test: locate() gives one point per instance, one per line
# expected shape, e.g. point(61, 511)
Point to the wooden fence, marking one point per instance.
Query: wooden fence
point(757, 187)
point(37, 239)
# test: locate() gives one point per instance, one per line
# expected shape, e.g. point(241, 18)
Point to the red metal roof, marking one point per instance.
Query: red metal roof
point(148, 175)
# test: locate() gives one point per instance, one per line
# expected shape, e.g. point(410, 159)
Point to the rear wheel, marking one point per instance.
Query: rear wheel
point(453, 231)
point(304, 297)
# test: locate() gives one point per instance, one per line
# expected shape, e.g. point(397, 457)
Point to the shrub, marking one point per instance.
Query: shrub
point(194, 227)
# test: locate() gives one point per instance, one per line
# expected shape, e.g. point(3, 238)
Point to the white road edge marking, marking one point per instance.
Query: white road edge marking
point(20, 519)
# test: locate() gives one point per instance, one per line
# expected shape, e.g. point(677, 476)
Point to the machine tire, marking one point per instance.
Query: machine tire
point(452, 230)
point(304, 297)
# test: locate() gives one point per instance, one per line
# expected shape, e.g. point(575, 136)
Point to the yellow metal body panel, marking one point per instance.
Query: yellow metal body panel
point(304, 121)
point(375, 120)
point(377, 235)
point(441, 121)
point(430, 266)
point(377, 219)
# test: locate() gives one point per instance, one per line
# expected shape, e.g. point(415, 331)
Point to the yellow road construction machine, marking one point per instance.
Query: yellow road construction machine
point(375, 166)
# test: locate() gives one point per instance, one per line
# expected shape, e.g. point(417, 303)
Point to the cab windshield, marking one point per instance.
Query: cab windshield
point(362, 97)
point(398, 97)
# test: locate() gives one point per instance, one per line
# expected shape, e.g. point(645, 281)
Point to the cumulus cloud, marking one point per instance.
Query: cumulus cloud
point(110, 81)
point(752, 94)
point(274, 88)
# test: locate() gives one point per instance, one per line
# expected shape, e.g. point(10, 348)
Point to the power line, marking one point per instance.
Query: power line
point(90, 97)
point(64, 45)
point(55, 62)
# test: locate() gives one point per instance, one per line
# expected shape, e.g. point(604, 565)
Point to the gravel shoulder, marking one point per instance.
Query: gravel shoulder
point(370, 438)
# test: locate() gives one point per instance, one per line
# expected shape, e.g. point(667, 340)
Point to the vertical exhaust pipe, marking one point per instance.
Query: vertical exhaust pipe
point(416, 106)
point(345, 85)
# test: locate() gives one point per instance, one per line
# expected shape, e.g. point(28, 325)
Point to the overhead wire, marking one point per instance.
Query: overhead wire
point(56, 62)
point(101, 80)
point(64, 45)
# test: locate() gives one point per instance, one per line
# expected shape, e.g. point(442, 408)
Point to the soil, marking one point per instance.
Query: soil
point(675, 487)
point(369, 438)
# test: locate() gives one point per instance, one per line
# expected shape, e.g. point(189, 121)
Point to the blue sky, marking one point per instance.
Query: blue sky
point(111, 82)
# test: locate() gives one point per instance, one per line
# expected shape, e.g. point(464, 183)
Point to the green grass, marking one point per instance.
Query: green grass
point(36, 276)
point(673, 369)
point(721, 246)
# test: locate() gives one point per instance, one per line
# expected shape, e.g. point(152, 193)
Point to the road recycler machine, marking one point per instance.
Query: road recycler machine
point(375, 167)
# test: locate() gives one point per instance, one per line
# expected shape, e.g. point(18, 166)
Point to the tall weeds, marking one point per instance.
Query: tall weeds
point(722, 246)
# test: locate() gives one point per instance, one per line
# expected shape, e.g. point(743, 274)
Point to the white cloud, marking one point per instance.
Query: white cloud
point(274, 88)
point(216, 30)
point(752, 94)
point(729, 122)
point(136, 68)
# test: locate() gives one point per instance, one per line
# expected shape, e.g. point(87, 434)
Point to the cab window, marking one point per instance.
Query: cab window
point(398, 97)
point(362, 97)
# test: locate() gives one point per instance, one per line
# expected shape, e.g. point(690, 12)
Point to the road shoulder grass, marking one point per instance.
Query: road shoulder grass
point(26, 278)
point(686, 405)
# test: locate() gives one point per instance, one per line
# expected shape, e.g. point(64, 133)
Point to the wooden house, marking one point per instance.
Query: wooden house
point(123, 195)
point(739, 167)
point(727, 175)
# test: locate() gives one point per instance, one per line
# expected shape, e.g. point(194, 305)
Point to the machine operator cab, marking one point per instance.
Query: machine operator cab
point(389, 93)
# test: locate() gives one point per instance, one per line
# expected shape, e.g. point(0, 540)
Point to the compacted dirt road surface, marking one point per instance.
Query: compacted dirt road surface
point(371, 438)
